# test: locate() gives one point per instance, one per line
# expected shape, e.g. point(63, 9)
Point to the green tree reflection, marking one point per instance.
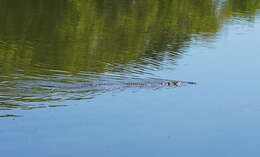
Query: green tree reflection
point(39, 37)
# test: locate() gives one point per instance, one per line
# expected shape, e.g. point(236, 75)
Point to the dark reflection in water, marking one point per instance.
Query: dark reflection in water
point(9, 115)
point(50, 48)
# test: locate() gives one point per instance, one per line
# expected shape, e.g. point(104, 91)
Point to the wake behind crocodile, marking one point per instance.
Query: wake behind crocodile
point(40, 93)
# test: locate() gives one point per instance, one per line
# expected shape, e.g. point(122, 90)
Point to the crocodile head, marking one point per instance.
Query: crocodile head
point(177, 83)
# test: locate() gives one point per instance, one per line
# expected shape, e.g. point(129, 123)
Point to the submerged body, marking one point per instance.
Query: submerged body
point(136, 84)
point(163, 83)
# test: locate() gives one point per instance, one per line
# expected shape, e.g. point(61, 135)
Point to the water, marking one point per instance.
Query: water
point(50, 51)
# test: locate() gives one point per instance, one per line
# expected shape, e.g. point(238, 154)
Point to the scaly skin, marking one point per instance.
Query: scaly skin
point(163, 83)
point(124, 85)
point(168, 83)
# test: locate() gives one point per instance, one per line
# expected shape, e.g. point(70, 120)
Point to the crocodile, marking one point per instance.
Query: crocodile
point(133, 84)
point(168, 83)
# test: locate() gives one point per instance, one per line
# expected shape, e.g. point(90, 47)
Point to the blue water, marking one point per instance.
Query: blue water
point(217, 117)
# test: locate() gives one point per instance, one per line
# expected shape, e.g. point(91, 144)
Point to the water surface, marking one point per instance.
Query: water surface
point(50, 51)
